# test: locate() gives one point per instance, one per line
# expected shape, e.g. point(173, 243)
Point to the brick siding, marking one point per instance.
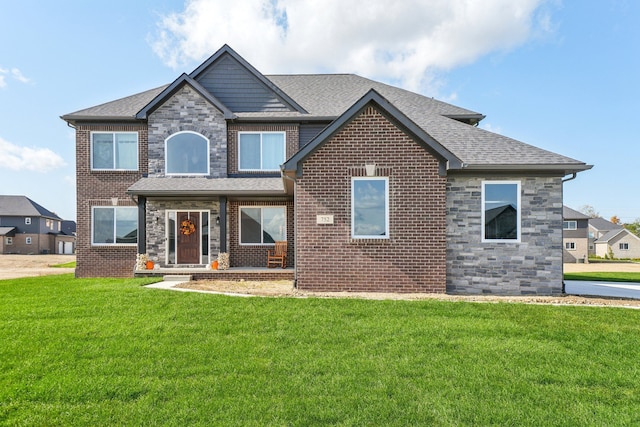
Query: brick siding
point(413, 258)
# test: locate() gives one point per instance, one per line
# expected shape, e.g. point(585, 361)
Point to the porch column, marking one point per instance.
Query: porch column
point(223, 224)
point(142, 225)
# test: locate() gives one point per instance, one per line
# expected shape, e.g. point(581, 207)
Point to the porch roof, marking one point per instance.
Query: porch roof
point(7, 231)
point(200, 186)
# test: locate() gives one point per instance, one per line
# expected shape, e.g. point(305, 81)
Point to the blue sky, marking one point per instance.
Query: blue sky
point(561, 75)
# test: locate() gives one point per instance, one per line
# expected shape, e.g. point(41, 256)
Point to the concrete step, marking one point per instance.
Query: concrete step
point(177, 278)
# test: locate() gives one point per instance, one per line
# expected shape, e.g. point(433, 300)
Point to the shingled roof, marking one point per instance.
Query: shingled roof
point(326, 97)
point(23, 206)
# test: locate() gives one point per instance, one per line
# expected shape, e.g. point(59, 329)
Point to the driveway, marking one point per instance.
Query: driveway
point(15, 266)
point(598, 288)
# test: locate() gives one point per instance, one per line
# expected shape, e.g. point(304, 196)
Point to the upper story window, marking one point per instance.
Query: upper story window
point(501, 211)
point(27, 221)
point(114, 150)
point(570, 225)
point(187, 153)
point(370, 207)
point(261, 151)
point(114, 225)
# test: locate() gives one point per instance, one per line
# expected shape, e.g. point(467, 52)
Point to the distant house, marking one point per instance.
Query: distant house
point(598, 228)
point(28, 228)
point(575, 236)
point(620, 244)
point(374, 188)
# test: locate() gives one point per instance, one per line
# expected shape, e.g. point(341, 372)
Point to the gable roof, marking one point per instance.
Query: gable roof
point(568, 213)
point(23, 206)
point(613, 234)
point(170, 90)
point(602, 224)
point(387, 109)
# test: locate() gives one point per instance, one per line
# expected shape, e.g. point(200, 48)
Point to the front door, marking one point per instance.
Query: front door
point(188, 238)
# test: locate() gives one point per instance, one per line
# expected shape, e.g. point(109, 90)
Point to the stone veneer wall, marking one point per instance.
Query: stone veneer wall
point(157, 223)
point(188, 111)
point(531, 267)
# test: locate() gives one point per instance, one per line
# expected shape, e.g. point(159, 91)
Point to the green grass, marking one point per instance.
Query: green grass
point(71, 264)
point(604, 276)
point(110, 352)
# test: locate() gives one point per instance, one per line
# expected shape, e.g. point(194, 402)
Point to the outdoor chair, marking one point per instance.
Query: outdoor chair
point(277, 255)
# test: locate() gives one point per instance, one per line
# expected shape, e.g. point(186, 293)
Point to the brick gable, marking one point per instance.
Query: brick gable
point(413, 258)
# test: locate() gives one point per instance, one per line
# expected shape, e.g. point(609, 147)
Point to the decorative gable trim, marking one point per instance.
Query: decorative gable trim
point(226, 50)
point(392, 113)
point(170, 90)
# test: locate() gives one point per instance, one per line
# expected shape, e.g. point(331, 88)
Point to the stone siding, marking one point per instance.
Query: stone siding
point(531, 267)
point(188, 111)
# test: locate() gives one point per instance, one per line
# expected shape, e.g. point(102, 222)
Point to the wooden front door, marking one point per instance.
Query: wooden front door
point(188, 238)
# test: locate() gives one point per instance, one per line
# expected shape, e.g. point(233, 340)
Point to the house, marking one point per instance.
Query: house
point(575, 236)
point(619, 244)
point(374, 188)
point(598, 227)
point(28, 228)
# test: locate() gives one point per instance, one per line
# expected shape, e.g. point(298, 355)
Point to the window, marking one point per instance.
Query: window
point(262, 225)
point(261, 151)
point(27, 221)
point(114, 151)
point(570, 246)
point(570, 225)
point(187, 153)
point(501, 211)
point(8, 240)
point(114, 225)
point(28, 240)
point(624, 246)
point(370, 208)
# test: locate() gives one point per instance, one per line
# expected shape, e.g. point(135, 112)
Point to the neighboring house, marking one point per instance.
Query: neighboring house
point(575, 236)
point(374, 188)
point(620, 244)
point(599, 227)
point(28, 228)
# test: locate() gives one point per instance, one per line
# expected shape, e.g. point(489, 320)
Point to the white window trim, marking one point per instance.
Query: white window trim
point(571, 225)
point(620, 246)
point(27, 220)
point(208, 172)
point(386, 207)
point(28, 241)
point(261, 207)
point(518, 212)
point(570, 246)
point(93, 209)
point(284, 150)
point(8, 240)
point(114, 151)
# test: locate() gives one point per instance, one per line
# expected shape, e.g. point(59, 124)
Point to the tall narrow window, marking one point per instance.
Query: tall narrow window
point(261, 151)
point(114, 225)
point(114, 151)
point(187, 153)
point(501, 211)
point(262, 225)
point(370, 208)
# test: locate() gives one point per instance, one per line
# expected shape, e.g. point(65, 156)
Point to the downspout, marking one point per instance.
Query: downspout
point(573, 176)
point(295, 229)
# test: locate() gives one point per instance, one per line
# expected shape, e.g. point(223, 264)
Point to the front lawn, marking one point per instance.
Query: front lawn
point(110, 352)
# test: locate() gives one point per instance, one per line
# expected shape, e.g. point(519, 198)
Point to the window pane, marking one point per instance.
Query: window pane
point(369, 208)
point(171, 224)
point(126, 225)
point(249, 151)
point(205, 237)
point(103, 223)
point(126, 151)
point(102, 150)
point(273, 224)
point(501, 211)
point(187, 153)
point(272, 151)
point(250, 229)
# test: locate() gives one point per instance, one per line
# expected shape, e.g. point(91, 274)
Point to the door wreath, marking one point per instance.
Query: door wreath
point(187, 227)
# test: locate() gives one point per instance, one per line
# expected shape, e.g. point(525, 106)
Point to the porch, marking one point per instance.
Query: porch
point(233, 273)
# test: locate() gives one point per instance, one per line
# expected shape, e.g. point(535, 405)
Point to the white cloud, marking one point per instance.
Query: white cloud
point(19, 158)
point(403, 43)
point(15, 73)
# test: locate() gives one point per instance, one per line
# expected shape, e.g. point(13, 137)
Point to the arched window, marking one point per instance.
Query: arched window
point(187, 153)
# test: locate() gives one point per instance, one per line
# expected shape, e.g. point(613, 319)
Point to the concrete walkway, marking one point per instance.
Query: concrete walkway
point(171, 285)
point(602, 289)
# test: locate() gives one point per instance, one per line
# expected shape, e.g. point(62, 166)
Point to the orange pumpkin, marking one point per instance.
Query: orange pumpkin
point(214, 265)
point(149, 265)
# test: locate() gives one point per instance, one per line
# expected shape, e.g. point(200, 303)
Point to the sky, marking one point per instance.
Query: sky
point(558, 74)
